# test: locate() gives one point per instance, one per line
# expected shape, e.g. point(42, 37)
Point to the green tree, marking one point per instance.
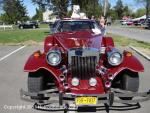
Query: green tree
point(146, 5)
point(14, 11)
point(43, 4)
point(119, 9)
point(90, 7)
point(127, 11)
point(0, 16)
point(59, 6)
point(38, 15)
point(112, 13)
point(140, 12)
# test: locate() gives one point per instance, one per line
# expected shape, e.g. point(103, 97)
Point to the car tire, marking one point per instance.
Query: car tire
point(21, 27)
point(36, 84)
point(33, 27)
point(130, 82)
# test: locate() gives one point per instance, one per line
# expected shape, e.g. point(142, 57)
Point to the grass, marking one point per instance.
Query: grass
point(44, 25)
point(19, 36)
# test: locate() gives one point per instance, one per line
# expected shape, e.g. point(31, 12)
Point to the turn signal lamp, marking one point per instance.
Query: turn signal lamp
point(129, 54)
point(37, 54)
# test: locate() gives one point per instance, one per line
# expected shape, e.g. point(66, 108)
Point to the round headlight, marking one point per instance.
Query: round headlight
point(92, 82)
point(54, 58)
point(75, 82)
point(115, 59)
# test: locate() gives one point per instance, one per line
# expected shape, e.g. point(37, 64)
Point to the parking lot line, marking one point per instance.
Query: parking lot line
point(12, 53)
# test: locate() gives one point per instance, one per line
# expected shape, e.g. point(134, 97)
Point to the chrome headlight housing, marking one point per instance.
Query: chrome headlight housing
point(75, 82)
point(93, 82)
point(115, 58)
point(53, 57)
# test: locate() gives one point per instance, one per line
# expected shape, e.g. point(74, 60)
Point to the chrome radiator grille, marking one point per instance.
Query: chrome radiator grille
point(83, 67)
point(83, 62)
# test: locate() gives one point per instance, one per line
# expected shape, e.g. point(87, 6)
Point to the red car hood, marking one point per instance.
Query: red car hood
point(79, 39)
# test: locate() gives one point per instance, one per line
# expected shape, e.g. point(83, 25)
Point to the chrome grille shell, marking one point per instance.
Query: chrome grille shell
point(82, 62)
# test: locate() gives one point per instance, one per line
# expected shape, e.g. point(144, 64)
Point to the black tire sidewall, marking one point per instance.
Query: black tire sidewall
point(21, 27)
point(33, 27)
point(35, 85)
point(130, 82)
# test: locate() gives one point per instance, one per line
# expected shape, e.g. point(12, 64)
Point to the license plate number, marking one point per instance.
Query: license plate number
point(86, 100)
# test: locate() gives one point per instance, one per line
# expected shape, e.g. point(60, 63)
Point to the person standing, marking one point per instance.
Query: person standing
point(102, 25)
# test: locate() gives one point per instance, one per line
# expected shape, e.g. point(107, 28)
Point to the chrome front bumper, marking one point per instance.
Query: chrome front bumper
point(106, 99)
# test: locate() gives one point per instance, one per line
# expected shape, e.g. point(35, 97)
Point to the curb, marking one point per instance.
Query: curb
point(140, 53)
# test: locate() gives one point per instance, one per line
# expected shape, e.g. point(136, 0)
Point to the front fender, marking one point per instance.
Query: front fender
point(34, 64)
point(129, 63)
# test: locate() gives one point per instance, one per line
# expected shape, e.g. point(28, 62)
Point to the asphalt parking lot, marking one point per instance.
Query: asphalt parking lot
point(133, 33)
point(12, 79)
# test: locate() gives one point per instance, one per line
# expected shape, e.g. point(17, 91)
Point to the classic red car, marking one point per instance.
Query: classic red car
point(82, 66)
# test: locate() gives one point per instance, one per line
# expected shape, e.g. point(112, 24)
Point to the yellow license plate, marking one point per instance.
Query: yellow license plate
point(86, 100)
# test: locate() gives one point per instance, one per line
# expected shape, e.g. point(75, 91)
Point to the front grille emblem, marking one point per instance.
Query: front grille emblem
point(78, 52)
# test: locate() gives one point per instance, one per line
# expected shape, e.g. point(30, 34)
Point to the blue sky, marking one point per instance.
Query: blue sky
point(30, 7)
point(130, 3)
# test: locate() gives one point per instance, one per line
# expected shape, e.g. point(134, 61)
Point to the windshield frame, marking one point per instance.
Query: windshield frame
point(91, 21)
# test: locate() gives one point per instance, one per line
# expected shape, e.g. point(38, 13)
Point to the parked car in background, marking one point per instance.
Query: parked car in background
point(137, 23)
point(29, 24)
point(127, 22)
point(147, 23)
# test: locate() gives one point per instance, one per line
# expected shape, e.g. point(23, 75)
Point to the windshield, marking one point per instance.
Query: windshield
point(68, 26)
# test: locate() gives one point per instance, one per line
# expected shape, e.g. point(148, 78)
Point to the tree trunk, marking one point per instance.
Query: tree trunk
point(147, 8)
